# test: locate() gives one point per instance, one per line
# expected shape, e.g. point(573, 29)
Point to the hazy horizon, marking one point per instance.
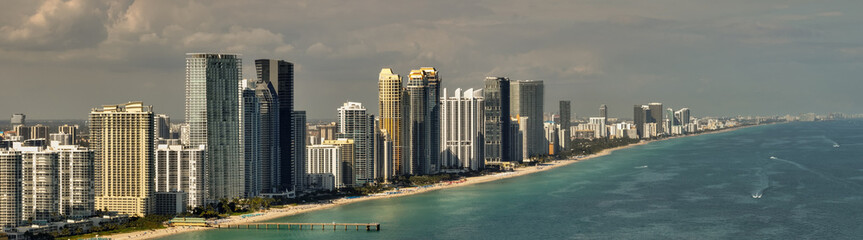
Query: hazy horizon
point(718, 58)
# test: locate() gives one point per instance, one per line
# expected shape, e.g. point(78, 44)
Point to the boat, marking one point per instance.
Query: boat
point(645, 166)
point(772, 157)
point(836, 145)
point(757, 195)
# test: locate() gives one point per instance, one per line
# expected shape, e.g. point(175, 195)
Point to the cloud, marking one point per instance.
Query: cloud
point(319, 49)
point(638, 49)
point(59, 25)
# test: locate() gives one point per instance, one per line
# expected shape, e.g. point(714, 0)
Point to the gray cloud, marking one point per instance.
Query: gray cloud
point(717, 57)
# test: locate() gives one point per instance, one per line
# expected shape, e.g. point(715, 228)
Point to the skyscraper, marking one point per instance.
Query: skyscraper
point(527, 101)
point(18, 119)
point(268, 99)
point(40, 185)
point(603, 112)
point(462, 120)
point(180, 168)
point(383, 152)
point(212, 112)
point(251, 122)
point(419, 125)
point(565, 120)
point(161, 126)
point(76, 173)
point(355, 124)
point(38, 131)
point(72, 130)
point(10, 188)
point(641, 115)
point(298, 119)
point(280, 74)
point(656, 116)
point(497, 120)
point(324, 167)
point(346, 159)
point(122, 137)
point(392, 116)
point(434, 112)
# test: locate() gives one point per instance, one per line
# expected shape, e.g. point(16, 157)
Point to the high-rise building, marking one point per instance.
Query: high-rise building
point(38, 131)
point(76, 173)
point(462, 120)
point(212, 112)
point(251, 122)
point(18, 119)
point(269, 132)
point(496, 97)
point(122, 137)
point(523, 128)
point(161, 126)
point(298, 119)
point(434, 112)
point(169, 203)
point(40, 185)
point(419, 125)
point(565, 121)
point(346, 159)
point(640, 117)
point(23, 131)
point(355, 124)
point(60, 139)
point(600, 129)
point(681, 117)
point(72, 130)
point(392, 117)
point(550, 129)
point(603, 112)
point(181, 169)
point(324, 167)
point(515, 149)
point(656, 116)
point(280, 74)
point(10, 188)
point(383, 152)
point(526, 100)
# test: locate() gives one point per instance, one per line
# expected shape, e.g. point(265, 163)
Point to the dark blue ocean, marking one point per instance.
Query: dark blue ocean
point(784, 181)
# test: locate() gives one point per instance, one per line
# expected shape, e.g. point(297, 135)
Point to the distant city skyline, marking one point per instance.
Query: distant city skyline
point(719, 57)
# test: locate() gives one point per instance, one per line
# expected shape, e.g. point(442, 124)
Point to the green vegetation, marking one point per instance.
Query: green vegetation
point(423, 180)
point(150, 222)
point(586, 147)
point(231, 207)
point(368, 189)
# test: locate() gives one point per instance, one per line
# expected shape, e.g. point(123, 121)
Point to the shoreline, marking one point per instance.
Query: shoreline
point(275, 213)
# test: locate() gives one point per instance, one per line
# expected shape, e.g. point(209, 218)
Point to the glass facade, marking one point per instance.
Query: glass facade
point(212, 112)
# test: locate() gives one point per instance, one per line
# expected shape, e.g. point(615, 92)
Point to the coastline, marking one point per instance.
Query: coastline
point(275, 213)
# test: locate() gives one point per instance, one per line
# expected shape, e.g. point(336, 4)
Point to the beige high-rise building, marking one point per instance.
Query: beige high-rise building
point(122, 137)
point(346, 159)
point(391, 104)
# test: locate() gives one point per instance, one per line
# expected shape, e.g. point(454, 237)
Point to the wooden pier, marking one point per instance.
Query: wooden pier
point(304, 226)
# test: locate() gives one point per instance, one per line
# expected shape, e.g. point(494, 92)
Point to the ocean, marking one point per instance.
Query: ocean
point(785, 181)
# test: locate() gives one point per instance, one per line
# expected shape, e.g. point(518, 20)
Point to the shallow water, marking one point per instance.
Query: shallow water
point(701, 187)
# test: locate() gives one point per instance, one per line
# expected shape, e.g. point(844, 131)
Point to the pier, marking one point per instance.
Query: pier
point(305, 226)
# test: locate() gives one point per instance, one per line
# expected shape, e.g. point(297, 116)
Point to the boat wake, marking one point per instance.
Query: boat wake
point(644, 166)
point(763, 184)
point(804, 168)
point(835, 144)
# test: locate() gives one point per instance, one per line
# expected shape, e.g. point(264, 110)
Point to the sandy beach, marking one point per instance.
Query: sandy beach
point(304, 208)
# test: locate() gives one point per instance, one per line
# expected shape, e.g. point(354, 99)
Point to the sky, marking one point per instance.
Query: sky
point(59, 59)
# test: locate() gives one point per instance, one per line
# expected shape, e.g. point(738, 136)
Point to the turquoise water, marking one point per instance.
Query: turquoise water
point(701, 187)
